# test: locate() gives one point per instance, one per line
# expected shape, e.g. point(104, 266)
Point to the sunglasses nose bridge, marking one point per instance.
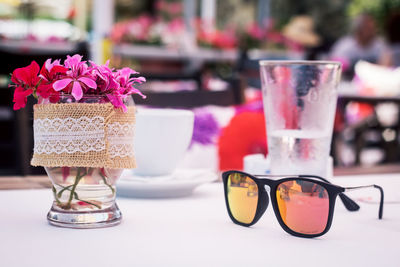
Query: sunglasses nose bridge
point(267, 189)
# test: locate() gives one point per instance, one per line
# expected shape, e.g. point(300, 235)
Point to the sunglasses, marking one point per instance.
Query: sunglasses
point(303, 204)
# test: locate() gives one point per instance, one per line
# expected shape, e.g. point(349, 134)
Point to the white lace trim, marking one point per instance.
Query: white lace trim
point(83, 135)
point(69, 135)
point(120, 138)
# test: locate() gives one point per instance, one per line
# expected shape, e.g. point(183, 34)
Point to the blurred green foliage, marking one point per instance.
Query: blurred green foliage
point(332, 17)
point(380, 9)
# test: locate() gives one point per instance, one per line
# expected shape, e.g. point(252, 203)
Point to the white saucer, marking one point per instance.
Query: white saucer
point(179, 184)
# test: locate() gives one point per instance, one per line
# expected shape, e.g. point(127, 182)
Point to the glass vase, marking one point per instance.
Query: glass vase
point(84, 196)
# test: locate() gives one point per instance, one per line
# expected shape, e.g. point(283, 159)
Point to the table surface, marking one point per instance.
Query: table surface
point(196, 231)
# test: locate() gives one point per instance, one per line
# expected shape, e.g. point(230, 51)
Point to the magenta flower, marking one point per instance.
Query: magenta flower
point(126, 83)
point(126, 88)
point(78, 77)
point(76, 65)
point(105, 80)
point(117, 100)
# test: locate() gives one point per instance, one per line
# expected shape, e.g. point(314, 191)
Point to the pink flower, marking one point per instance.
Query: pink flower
point(176, 25)
point(25, 79)
point(126, 88)
point(76, 65)
point(139, 28)
point(105, 80)
point(255, 31)
point(225, 39)
point(117, 100)
point(118, 32)
point(77, 83)
point(126, 83)
point(77, 77)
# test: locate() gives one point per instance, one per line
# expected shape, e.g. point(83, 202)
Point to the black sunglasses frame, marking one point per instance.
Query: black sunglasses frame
point(263, 198)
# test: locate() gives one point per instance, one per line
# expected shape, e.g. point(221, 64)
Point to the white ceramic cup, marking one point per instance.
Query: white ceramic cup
point(162, 136)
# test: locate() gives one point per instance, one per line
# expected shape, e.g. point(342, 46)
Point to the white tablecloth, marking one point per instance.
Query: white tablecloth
point(196, 231)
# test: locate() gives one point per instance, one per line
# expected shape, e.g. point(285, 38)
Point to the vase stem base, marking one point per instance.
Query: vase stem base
point(85, 219)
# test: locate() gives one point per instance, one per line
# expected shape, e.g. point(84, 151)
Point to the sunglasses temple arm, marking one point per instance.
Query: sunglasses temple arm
point(350, 204)
point(347, 189)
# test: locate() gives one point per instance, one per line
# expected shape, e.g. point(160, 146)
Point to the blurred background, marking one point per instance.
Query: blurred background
point(203, 55)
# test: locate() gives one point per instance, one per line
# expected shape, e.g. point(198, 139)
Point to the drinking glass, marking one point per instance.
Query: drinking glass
point(299, 103)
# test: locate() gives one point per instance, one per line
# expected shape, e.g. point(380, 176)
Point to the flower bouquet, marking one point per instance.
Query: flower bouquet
point(83, 134)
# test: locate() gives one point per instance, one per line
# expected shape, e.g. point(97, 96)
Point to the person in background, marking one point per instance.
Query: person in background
point(392, 56)
point(363, 44)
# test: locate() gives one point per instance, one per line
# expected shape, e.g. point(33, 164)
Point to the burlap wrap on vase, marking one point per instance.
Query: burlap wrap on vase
point(83, 135)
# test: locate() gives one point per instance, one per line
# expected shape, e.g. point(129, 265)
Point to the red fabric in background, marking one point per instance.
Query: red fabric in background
point(244, 135)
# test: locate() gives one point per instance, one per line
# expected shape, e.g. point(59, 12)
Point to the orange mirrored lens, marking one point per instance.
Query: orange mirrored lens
point(242, 197)
point(303, 206)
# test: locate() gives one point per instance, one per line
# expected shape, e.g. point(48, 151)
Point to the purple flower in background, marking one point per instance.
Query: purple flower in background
point(206, 128)
point(78, 76)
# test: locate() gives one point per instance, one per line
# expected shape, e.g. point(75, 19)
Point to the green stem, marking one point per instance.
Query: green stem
point(55, 195)
point(73, 194)
point(59, 194)
point(105, 182)
point(77, 179)
point(66, 188)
